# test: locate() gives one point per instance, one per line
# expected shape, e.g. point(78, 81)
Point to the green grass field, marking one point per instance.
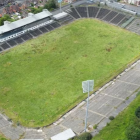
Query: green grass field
point(41, 79)
point(116, 129)
point(2, 137)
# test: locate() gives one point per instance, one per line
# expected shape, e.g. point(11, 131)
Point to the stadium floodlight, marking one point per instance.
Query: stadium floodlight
point(59, 1)
point(87, 87)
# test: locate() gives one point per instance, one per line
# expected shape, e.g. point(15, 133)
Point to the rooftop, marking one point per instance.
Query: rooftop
point(22, 22)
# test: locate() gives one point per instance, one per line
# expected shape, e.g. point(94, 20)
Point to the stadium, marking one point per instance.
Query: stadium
point(44, 59)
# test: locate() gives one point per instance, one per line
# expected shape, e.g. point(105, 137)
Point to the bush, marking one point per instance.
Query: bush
point(71, 6)
point(133, 133)
point(84, 136)
point(137, 122)
point(111, 118)
point(137, 112)
point(138, 93)
point(95, 126)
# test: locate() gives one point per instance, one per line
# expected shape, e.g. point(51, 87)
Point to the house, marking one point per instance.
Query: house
point(5, 2)
point(69, 1)
point(13, 9)
point(135, 2)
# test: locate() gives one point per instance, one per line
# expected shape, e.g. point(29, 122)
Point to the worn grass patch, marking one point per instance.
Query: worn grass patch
point(41, 79)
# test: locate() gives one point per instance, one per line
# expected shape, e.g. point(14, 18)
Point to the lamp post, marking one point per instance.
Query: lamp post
point(87, 87)
point(59, 1)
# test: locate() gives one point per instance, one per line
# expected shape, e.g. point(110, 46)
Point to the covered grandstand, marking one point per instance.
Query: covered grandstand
point(33, 21)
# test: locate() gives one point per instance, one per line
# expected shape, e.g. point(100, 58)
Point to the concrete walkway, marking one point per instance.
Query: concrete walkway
point(110, 100)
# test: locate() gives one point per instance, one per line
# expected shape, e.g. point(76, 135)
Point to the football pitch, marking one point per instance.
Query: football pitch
point(41, 79)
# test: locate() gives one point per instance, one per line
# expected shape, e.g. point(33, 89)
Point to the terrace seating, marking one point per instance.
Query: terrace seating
point(117, 19)
point(110, 16)
point(0, 49)
point(55, 25)
point(30, 36)
point(134, 26)
point(19, 40)
point(11, 43)
point(124, 20)
point(93, 11)
point(102, 13)
point(43, 29)
point(73, 12)
point(36, 33)
point(82, 11)
point(48, 27)
point(26, 37)
point(65, 19)
point(5, 46)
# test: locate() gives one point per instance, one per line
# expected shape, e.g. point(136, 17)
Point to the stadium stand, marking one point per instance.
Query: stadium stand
point(134, 26)
point(93, 11)
point(33, 29)
point(36, 33)
point(65, 20)
point(55, 25)
point(73, 13)
point(11, 43)
point(110, 16)
point(43, 29)
point(5, 46)
point(102, 13)
point(48, 27)
point(19, 40)
point(26, 37)
point(31, 19)
point(124, 20)
point(36, 23)
point(33, 33)
point(117, 19)
point(30, 36)
point(82, 11)
point(0, 49)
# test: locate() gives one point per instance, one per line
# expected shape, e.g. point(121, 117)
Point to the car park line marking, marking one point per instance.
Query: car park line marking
point(94, 112)
point(112, 96)
point(128, 83)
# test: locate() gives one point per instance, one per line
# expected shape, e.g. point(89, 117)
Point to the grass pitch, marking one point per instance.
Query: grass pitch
point(41, 79)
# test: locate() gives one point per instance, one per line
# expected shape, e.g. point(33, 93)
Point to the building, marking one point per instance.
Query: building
point(14, 29)
point(135, 2)
point(5, 2)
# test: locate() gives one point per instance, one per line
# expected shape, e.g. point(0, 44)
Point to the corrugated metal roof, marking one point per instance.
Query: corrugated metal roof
point(22, 22)
point(65, 135)
point(60, 15)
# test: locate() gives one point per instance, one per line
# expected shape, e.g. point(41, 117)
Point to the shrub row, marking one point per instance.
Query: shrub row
point(133, 130)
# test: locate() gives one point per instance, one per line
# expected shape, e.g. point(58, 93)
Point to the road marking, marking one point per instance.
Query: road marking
point(112, 96)
point(128, 83)
point(64, 127)
point(94, 112)
point(136, 69)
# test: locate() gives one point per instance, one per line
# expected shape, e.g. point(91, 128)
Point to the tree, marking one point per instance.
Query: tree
point(133, 133)
point(137, 112)
point(51, 4)
point(5, 18)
